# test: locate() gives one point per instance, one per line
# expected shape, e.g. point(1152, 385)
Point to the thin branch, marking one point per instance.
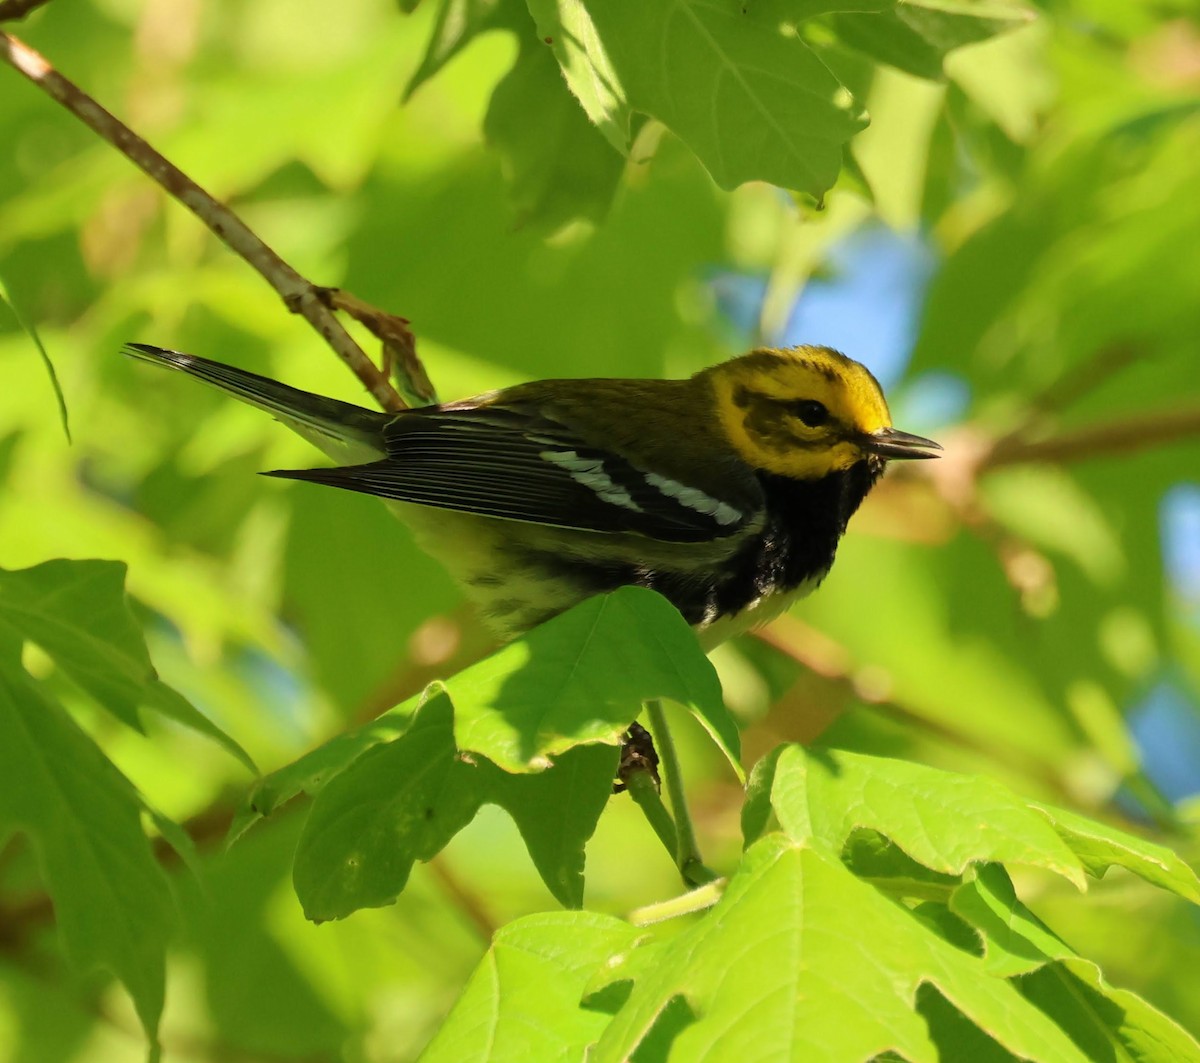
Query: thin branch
point(463, 899)
point(298, 294)
point(1113, 437)
point(1085, 377)
point(15, 10)
point(833, 664)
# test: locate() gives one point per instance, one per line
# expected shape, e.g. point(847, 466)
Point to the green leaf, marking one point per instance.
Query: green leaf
point(734, 81)
point(513, 730)
point(112, 903)
point(1015, 940)
point(523, 1001)
point(556, 812)
point(801, 960)
point(875, 859)
point(399, 802)
point(32, 333)
point(1105, 1022)
point(918, 34)
point(458, 23)
point(1099, 847)
point(567, 26)
point(77, 612)
point(309, 773)
point(944, 821)
point(558, 166)
point(582, 677)
point(403, 800)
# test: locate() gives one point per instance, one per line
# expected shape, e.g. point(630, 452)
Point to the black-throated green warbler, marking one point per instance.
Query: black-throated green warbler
point(726, 492)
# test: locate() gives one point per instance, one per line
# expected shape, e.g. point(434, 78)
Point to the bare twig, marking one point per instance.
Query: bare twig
point(1114, 437)
point(299, 295)
point(463, 899)
point(1088, 375)
point(19, 921)
point(14, 10)
point(833, 664)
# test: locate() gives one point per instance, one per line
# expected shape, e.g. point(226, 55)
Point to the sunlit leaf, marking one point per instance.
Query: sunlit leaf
point(1099, 847)
point(582, 677)
point(799, 959)
point(941, 820)
point(734, 82)
point(523, 1001)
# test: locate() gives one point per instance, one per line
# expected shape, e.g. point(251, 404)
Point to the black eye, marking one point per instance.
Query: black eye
point(811, 412)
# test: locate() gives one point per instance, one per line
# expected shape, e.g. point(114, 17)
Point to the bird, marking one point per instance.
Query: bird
point(727, 492)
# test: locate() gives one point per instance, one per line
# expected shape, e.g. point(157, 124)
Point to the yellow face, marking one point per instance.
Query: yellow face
point(803, 412)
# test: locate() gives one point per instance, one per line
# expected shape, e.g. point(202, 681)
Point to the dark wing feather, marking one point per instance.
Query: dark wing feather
point(515, 463)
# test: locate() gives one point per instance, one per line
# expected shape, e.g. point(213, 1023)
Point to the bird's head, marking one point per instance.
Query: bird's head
point(806, 412)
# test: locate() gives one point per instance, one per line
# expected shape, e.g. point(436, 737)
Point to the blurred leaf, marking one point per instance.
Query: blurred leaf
point(944, 821)
point(523, 1001)
point(581, 677)
point(799, 959)
point(990, 688)
point(917, 34)
point(112, 904)
point(77, 612)
point(357, 638)
point(558, 166)
point(31, 332)
point(271, 991)
point(734, 82)
point(458, 23)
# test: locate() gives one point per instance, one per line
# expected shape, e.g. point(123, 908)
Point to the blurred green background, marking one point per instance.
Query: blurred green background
point(1016, 253)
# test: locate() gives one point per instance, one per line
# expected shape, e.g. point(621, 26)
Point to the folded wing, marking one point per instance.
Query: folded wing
point(515, 463)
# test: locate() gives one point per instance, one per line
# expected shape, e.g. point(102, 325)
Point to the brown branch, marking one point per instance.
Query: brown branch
point(15, 10)
point(1113, 437)
point(463, 899)
point(832, 665)
point(18, 921)
point(399, 344)
point(1086, 376)
point(299, 295)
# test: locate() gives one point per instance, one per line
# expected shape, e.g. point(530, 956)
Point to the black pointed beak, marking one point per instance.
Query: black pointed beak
point(893, 444)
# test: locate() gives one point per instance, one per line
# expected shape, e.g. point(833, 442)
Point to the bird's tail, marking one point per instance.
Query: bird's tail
point(341, 429)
